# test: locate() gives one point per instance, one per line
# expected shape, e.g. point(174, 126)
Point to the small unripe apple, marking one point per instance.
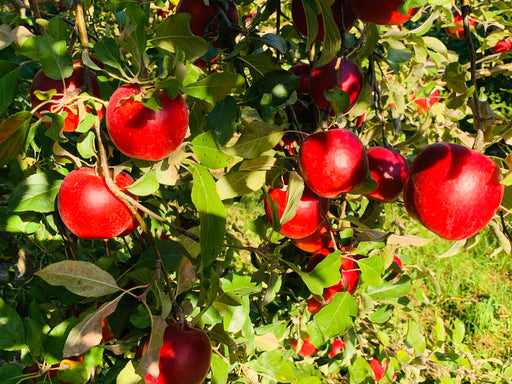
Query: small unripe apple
point(72, 84)
point(299, 18)
point(90, 209)
point(142, 133)
point(383, 12)
point(185, 356)
point(333, 162)
point(343, 74)
point(452, 190)
point(308, 217)
point(388, 169)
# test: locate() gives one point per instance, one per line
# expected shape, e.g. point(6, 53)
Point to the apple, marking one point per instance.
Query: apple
point(204, 19)
point(388, 169)
point(502, 46)
point(288, 144)
point(452, 190)
point(347, 77)
point(423, 104)
point(333, 162)
point(62, 7)
point(307, 348)
point(142, 133)
point(379, 369)
point(337, 345)
point(302, 71)
point(185, 356)
point(383, 12)
point(395, 268)
point(299, 18)
point(308, 216)
point(317, 241)
point(89, 208)
point(70, 85)
point(457, 32)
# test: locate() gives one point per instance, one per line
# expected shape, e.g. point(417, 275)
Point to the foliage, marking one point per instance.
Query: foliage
point(204, 250)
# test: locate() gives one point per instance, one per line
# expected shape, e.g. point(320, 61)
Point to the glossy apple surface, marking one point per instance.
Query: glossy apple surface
point(457, 32)
point(299, 18)
point(204, 20)
point(502, 46)
point(337, 345)
point(452, 190)
point(70, 85)
point(388, 169)
point(333, 162)
point(89, 209)
point(348, 78)
point(382, 12)
point(185, 356)
point(142, 133)
point(320, 239)
point(308, 217)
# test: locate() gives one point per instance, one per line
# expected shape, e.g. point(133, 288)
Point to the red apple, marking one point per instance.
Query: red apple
point(319, 240)
point(395, 269)
point(423, 104)
point(204, 19)
point(302, 71)
point(379, 369)
point(383, 12)
point(299, 18)
point(347, 77)
point(452, 190)
point(388, 169)
point(185, 356)
point(69, 86)
point(502, 46)
point(308, 217)
point(457, 32)
point(62, 7)
point(142, 133)
point(337, 345)
point(307, 348)
point(333, 162)
point(89, 209)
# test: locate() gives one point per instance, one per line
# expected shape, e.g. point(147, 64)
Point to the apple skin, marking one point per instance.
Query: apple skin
point(452, 190)
point(333, 162)
point(41, 82)
point(389, 170)
point(458, 32)
point(307, 348)
point(89, 209)
point(299, 18)
point(308, 217)
point(185, 356)
point(382, 12)
point(320, 239)
point(337, 345)
point(302, 71)
point(502, 46)
point(423, 104)
point(141, 133)
point(201, 15)
point(348, 78)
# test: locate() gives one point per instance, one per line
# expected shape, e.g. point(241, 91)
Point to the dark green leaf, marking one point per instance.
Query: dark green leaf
point(10, 374)
point(9, 76)
point(107, 52)
point(208, 153)
point(57, 28)
point(56, 62)
point(273, 90)
point(12, 330)
point(332, 38)
point(13, 132)
point(222, 120)
point(36, 193)
point(455, 77)
point(215, 87)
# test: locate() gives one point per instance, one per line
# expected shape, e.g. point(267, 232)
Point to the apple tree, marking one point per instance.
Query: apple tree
point(211, 190)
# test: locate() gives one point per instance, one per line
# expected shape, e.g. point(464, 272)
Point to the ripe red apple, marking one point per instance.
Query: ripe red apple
point(319, 240)
point(302, 71)
point(388, 169)
point(70, 87)
point(142, 133)
point(308, 217)
point(204, 20)
point(423, 104)
point(307, 348)
point(89, 209)
point(347, 77)
point(457, 32)
point(383, 12)
point(452, 190)
point(337, 345)
point(299, 18)
point(502, 46)
point(333, 162)
point(185, 356)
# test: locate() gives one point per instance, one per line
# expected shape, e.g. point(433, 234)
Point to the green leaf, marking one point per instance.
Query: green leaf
point(107, 51)
point(372, 269)
point(145, 185)
point(332, 39)
point(212, 213)
point(57, 28)
point(372, 39)
point(149, 362)
point(86, 145)
point(325, 274)
point(455, 77)
point(128, 375)
point(80, 277)
point(389, 290)
point(260, 64)
point(9, 76)
point(215, 87)
point(13, 132)
point(337, 317)
point(360, 370)
point(208, 153)
point(274, 89)
point(10, 374)
point(56, 62)
point(293, 196)
point(36, 193)
point(238, 183)
point(12, 329)
point(240, 285)
point(174, 33)
point(414, 337)
point(222, 120)
point(220, 370)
